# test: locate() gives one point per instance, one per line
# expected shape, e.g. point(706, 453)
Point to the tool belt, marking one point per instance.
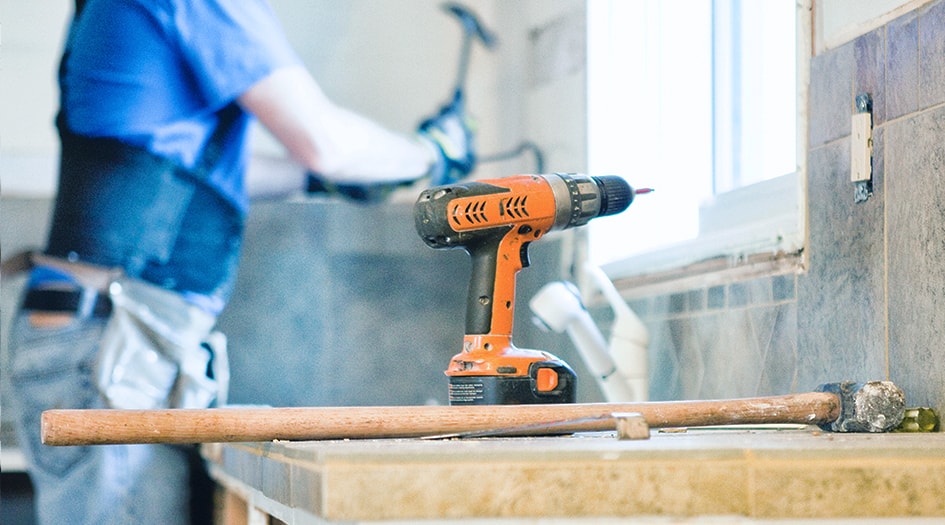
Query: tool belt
point(120, 206)
point(156, 350)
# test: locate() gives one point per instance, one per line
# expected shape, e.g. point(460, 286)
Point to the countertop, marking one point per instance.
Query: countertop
point(750, 473)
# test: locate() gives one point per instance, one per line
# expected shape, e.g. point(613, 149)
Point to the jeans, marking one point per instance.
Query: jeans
point(107, 484)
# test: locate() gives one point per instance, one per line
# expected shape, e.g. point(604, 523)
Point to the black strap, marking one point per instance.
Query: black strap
point(227, 118)
point(66, 301)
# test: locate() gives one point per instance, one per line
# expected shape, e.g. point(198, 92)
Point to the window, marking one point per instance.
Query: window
point(698, 99)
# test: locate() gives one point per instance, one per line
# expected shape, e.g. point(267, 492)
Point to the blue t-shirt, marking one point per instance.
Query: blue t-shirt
point(154, 74)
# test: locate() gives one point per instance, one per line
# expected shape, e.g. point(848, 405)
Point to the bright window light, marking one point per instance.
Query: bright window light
point(690, 97)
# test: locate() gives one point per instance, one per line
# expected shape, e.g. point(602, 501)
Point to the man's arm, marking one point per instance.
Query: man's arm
point(338, 144)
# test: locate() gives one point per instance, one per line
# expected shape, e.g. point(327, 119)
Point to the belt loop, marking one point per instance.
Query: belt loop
point(87, 303)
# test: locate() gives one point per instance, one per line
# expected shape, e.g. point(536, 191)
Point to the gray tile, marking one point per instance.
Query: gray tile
point(275, 479)
point(870, 76)
point(738, 295)
point(264, 321)
point(695, 300)
point(841, 322)
point(879, 163)
point(715, 297)
point(664, 366)
point(659, 307)
point(831, 95)
point(916, 215)
point(641, 307)
point(776, 329)
point(326, 320)
point(752, 292)
point(902, 66)
point(932, 55)
point(678, 303)
point(307, 489)
point(732, 359)
point(783, 288)
point(690, 344)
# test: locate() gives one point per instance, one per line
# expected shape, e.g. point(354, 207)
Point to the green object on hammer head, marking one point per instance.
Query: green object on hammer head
point(919, 419)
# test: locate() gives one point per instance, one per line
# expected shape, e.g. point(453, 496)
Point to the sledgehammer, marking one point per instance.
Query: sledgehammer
point(840, 407)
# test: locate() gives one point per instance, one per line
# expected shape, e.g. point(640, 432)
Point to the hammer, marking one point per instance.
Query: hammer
point(876, 406)
point(473, 30)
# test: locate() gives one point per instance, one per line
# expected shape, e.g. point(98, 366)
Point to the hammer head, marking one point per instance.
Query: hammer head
point(875, 406)
point(471, 24)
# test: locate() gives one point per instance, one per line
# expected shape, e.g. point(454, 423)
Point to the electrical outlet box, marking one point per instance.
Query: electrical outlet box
point(861, 147)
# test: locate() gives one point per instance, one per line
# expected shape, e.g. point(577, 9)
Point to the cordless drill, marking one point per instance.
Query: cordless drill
point(494, 221)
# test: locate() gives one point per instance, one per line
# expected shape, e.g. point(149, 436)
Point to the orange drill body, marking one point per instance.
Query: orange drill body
point(494, 221)
point(529, 214)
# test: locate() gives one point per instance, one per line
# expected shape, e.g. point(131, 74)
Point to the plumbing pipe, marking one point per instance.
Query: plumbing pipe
point(558, 307)
point(629, 337)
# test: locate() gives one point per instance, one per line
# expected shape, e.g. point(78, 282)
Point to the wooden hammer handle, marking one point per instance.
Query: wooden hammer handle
point(98, 427)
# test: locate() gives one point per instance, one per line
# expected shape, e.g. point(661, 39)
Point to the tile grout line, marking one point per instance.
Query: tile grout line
point(886, 251)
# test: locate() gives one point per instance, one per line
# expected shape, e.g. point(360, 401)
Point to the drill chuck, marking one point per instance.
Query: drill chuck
point(616, 194)
point(580, 198)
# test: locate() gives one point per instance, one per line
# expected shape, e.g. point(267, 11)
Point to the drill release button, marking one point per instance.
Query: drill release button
point(546, 380)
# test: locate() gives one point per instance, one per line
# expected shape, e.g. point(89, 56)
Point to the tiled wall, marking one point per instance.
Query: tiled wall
point(872, 303)
point(732, 340)
point(342, 304)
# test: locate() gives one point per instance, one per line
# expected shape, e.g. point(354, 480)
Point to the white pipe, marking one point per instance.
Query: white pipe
point(629, 338)
point(558, 306)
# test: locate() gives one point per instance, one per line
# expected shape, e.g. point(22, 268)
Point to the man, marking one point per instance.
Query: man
point(156, 100)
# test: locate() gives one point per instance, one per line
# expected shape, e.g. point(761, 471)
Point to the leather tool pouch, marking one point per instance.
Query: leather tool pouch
point(154, 351)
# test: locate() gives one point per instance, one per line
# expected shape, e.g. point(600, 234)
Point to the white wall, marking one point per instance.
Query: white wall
point(556, 111)
point(394, 61)
point(839, 21)
point(29, 55)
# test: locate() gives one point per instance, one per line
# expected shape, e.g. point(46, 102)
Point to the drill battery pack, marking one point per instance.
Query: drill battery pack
point(546, 382)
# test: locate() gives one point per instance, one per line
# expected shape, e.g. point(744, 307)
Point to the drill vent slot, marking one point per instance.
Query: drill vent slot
point(474, 213)
point(514, 207)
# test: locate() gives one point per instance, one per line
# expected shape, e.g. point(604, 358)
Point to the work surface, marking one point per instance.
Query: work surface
point(761, 474)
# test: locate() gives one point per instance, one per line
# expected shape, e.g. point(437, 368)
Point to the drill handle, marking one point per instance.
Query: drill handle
point(491, 298)
point(481, 289)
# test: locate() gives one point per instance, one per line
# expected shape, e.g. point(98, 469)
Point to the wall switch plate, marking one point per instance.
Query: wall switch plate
point(861, 148)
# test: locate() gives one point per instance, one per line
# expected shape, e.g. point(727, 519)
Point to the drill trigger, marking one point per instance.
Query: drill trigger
point(523, 254)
